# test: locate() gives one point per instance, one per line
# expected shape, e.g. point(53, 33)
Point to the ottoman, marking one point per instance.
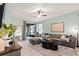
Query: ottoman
point(35, 41)
point(53, 46)
point(49, 45)
point(45, 44)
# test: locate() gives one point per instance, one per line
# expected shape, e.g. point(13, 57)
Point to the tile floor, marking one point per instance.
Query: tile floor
point(37, 50)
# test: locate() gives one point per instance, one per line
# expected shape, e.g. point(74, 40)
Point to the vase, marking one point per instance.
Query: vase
point(5, 37)
point(8, 42)
point(2, 45)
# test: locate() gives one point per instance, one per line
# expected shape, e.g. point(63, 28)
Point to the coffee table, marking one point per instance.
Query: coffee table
point(49, 45)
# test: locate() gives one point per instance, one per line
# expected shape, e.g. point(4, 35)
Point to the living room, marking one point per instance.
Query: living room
point(44, 29)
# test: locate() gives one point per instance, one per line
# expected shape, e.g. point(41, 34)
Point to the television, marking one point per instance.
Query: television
point(2, 5)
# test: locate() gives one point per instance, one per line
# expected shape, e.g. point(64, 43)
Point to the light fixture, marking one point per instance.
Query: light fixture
point(39, 16)
point(39, 13)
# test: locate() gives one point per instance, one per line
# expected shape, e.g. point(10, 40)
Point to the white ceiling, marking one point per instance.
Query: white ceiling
point(25, 10)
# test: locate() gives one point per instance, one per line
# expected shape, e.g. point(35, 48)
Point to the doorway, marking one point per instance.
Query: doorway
point(29, 30)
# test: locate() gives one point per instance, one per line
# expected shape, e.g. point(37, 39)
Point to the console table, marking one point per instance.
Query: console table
point(14, 50)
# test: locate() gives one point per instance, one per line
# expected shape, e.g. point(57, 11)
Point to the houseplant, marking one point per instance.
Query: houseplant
point(7, 33)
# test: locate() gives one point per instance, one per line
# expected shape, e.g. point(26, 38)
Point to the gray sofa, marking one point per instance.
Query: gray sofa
point(71, 43)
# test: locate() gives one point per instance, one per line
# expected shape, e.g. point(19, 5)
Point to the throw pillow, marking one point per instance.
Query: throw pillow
point(63, 36)
point(66, 39)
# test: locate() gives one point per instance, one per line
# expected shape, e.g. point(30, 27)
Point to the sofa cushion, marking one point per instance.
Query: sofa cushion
point(36, 38)
point(66, 39)
point(38, 35)
point(58, 36)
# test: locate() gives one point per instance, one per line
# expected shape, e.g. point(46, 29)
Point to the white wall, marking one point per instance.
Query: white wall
point(9, 18)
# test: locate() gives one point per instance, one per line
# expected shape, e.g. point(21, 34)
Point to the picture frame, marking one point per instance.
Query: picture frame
point(57, 27)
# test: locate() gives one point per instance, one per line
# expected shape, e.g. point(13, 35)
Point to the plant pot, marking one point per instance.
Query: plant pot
point(8, 42)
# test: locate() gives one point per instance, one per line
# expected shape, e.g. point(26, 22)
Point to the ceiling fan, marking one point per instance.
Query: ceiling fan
point(39, 13)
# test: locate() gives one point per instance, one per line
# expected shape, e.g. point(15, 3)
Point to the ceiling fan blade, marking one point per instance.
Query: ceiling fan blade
point(44, 15)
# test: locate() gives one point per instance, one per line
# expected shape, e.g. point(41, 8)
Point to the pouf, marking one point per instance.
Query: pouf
point(35, 41)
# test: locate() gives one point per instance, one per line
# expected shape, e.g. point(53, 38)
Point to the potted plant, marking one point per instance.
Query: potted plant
point(7, 33)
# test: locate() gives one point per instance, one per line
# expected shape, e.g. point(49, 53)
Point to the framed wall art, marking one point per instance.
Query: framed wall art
point(57, 27)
